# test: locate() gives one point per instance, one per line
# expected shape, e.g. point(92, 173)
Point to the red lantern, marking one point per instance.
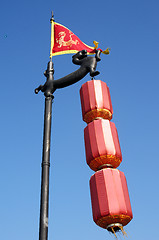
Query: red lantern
point(102, 145)
point(110, 199)
point(95, 101)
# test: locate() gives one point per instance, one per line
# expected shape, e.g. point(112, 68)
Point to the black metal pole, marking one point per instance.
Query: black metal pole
point(44, 202)
point(44, 206)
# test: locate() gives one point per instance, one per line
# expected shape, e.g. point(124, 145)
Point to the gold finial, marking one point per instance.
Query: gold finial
point(52, 17)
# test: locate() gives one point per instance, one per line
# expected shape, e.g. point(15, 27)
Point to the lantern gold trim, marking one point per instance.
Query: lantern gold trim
point(96, 163)
point(105, 221)
point(97, 113)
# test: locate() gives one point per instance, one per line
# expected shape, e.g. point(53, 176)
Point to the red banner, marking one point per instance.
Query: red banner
point(65, 41)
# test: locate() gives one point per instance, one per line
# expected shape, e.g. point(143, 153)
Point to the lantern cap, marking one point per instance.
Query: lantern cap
point(115, 227)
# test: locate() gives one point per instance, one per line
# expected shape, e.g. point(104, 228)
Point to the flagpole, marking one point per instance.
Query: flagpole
point(44, 201)
point(52, 34)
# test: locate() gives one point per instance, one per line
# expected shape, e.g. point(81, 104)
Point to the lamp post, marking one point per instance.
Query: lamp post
point(87, 65)
point(44, 203)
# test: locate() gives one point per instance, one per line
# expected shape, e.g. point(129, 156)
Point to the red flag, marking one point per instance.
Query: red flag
point(65, 41)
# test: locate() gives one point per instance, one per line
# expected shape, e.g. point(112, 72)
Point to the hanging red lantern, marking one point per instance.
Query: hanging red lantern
point(110, 199)
point(102, 145)
point(95, 101)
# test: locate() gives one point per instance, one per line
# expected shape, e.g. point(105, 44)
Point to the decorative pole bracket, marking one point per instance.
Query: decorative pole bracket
point(87, 65)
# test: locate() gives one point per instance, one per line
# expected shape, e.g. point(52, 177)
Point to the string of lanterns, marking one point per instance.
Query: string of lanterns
point(109, 193)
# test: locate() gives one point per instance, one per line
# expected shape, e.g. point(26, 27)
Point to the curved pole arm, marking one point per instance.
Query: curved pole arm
point(87, 65)
point(71, 78)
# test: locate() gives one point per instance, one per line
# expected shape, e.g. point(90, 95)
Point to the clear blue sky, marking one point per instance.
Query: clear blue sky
point(131, 71)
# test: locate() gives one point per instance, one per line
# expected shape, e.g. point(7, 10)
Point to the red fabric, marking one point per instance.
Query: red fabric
point(95, 94)
point(101, 139)
point(109, 194)
point(116, 139)
point(65, 41)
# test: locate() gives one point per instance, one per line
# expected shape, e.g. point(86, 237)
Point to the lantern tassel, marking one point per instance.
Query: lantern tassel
point(115, 228)
point(123, 231)
point(113, 231)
